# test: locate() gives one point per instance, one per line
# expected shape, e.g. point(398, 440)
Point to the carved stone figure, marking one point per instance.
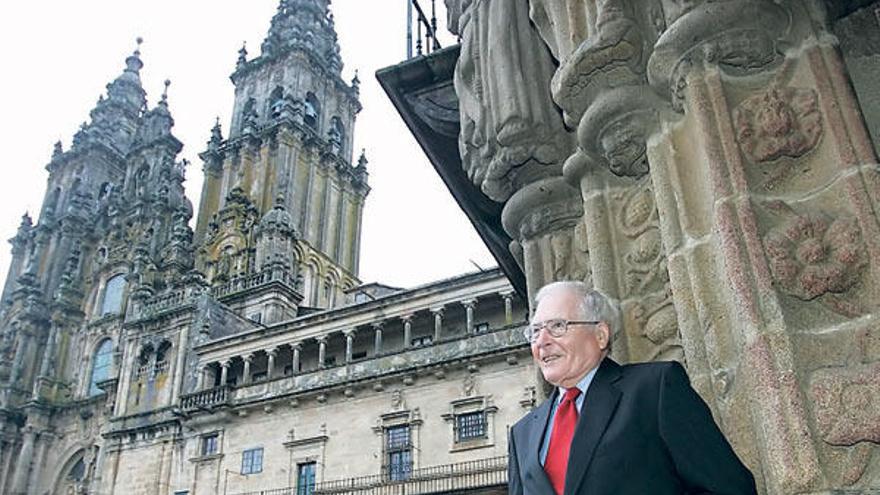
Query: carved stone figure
point(510, 134)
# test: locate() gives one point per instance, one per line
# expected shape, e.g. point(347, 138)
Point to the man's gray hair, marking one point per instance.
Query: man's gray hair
point(594, 305)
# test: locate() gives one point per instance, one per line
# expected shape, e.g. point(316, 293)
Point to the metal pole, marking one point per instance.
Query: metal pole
point(409, 16)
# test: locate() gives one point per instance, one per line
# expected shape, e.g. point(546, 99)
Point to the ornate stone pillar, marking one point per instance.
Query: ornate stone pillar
point(322, 351)
point(469, 306)
point(438, 323)
point(24, 461)
point(201, 378)
point(349, 344)
point(508, 307)
point(767, 189)
point(247, 358)
point(297, 349)
point(270, 364)
point(224, 371)
point(407, 330)
point(377, 328)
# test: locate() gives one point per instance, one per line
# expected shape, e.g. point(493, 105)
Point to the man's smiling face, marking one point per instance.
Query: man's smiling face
point(566, 359)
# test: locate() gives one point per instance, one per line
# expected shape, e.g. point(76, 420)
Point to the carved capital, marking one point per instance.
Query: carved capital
point(740, 37)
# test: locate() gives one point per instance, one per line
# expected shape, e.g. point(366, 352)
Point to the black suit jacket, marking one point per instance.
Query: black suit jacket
point(642, 431)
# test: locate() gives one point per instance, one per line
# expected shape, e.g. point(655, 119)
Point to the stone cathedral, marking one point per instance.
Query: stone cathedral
point(142, 357)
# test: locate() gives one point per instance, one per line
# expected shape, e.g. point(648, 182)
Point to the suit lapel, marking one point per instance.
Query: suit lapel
point(599, 406)
point(540, 418)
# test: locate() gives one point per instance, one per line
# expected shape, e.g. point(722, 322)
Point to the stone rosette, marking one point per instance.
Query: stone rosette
point(813, 254)
point(778, 122)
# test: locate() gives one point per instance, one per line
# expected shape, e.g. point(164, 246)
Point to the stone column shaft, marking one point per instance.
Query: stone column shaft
point(349, 344)
point(224, 371)
point(247, 368)
point(297, 349)
point(438, 323)
point(407, 331)
point(23, 463)
point(270, 365)
point(322, 352)
point(469, 306)
point(378, 339)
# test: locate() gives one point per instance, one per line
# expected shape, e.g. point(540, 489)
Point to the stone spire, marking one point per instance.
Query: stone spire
point(158, 121)
point(115, 118)
point(305, 24)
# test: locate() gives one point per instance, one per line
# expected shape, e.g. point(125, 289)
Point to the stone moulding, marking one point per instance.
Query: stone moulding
point(716, 32)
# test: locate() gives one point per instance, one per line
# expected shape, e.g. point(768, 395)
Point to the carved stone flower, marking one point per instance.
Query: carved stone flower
point(813, 254)
point(779, 122)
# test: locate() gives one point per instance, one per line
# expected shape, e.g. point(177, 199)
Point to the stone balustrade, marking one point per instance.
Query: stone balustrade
point(419, 327)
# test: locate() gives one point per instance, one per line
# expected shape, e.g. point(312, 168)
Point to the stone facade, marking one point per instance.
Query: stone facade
point(140, 356)
point(711, 167)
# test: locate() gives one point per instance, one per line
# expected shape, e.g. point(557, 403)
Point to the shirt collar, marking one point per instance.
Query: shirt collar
point(583, 385)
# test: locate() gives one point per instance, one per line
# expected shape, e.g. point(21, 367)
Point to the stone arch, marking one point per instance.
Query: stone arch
point(275, 103)
point(100, 365)
point(312, 111)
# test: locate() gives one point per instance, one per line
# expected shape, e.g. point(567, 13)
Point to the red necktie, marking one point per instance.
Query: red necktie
point(560, 440)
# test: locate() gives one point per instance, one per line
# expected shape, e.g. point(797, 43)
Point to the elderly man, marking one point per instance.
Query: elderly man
point(637, 429)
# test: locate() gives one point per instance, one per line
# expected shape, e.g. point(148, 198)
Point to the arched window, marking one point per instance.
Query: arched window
point(337, 132)
point(112, 301)
point(276, 102)
point(312, 111)
point(101, 362)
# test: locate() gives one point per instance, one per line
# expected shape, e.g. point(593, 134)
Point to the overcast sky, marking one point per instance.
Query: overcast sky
point(58, 55)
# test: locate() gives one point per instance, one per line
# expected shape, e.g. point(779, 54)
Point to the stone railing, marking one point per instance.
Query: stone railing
point(205, 398)
point(165, 302)
point(238, 284)
point(447, 478)
point(399, 361)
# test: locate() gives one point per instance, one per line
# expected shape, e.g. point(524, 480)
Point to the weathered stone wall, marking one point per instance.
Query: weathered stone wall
point(341, 431)
point(722, 185)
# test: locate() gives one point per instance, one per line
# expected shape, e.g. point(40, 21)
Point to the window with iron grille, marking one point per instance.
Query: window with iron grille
point(209, 444)
point(252, 461)
point(305, 478)
point(399, 452)
point(470, 426)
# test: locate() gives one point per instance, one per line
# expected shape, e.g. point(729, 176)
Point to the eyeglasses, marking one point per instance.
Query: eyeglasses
point(556, 328)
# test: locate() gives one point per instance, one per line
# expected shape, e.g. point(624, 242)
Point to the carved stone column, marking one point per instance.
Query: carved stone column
point(270, 363)
point(297, 349)
point(407, 330)
point(224, 371)
point(322, 351)
point(438, 323)
point(469, 307)
point(248, 358)
point(24, 460)
point(377, 329)
point(349, 344)
point(508, 307)
point(768, 190)
point(202, 378)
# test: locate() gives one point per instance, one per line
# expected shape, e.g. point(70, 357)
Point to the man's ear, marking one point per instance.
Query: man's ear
point(603, 335)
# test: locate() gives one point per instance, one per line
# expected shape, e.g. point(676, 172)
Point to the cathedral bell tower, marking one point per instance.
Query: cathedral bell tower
point(282, 199)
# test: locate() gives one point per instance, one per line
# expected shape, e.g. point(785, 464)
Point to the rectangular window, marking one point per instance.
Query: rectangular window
point(305, 478)
point(252, 461)
point(399, 452)
point(470, 426)
point(209, 444)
